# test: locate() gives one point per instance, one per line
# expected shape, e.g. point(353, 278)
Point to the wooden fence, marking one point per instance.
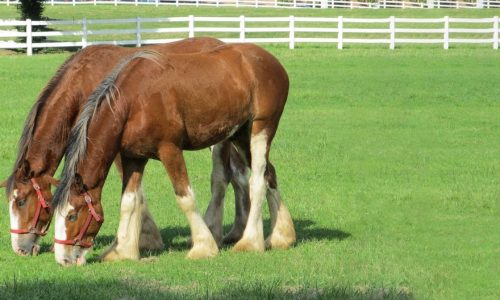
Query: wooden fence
point(291, 30)
point(288, 3)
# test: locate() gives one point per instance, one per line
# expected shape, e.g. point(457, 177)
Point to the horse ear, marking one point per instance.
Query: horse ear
point(52, 180)
point(27, 172)
point(80, 186)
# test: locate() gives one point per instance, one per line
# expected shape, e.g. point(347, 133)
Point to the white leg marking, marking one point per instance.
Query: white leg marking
point(283, 232)
point(203, 242)
point(126, 245)
point(253, 237)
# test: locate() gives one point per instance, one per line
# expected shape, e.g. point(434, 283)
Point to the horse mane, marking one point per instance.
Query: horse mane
point(77, 143)
point(29, 125)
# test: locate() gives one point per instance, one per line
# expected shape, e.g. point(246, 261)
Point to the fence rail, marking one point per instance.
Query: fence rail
point(286, 3)
point(291, 30)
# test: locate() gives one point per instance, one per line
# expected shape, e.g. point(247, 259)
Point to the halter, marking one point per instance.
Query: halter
point(41, 204)
point(92, 214)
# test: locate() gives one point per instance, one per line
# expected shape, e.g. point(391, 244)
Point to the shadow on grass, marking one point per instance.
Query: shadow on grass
point(100, 288)
point(306, 231)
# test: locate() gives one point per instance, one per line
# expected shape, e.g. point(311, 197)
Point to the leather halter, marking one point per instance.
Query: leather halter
point(78, 241)
point(41, 204)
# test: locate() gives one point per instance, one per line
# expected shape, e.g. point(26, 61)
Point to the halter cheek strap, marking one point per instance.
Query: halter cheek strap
point(78, 241)
point(41, 204)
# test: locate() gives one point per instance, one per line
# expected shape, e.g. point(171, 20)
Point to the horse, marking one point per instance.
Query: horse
point(157, 107)
point(46, 132)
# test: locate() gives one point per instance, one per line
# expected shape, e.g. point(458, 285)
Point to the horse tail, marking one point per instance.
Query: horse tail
point(77, 143)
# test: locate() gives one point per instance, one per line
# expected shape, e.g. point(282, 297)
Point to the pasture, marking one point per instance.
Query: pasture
point(389, 162)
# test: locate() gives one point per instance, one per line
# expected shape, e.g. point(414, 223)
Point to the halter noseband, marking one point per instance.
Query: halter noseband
point(41, 204)
point(92, 214)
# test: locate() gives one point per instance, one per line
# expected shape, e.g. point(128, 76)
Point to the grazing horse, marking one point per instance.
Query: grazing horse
point(46, 132)
point(159, 106)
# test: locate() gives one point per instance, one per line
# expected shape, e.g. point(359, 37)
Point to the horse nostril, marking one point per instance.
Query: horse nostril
point(66, 261)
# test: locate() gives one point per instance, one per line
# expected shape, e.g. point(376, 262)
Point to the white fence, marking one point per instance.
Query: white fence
point(288, 3)
point(290, 30)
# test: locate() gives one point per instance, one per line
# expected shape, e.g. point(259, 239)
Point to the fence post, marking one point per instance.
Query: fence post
point(385, 4)
point(177, 3)
point(242, 29)
point(340, 33)
point(116, 2)
point(237, 3)
point(8, 2)
point(156, 3)
point(197, 3)
point(74, 2)
point(495, 32)
point(191, 26)
point(446, 33)
point(138, 32)
point(292, 32)
point(256, 3)
point(52, 2)
point(294, 3)
point(217, 3)
point(29, 38)
point(95, 2)
point(392, 26)
point(136, 3)
point(84, 35)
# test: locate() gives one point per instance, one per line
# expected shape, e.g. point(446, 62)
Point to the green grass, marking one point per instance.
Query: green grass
point(388, 160)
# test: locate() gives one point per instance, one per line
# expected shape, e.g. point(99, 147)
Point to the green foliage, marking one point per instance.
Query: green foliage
point(31, 9)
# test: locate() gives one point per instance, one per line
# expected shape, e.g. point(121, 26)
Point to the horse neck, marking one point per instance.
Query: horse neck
point(52, 130)
point(104, 136)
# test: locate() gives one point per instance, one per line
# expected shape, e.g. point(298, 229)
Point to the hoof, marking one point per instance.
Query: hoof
point(202, 251)
point(245, 245)
point(277, 241)
point(114, 255)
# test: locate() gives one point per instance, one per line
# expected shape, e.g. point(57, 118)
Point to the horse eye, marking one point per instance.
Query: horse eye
point(72, 218)
point(21, 203)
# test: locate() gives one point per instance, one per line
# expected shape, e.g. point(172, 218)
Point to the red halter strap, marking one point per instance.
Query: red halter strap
point(92, 214)
point(41, 204)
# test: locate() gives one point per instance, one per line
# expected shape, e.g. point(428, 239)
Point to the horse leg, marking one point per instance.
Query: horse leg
point(204, 244)
point(253, 236)
point(219, 181)
point(126, 244)
point(239, 181)
point(282, 229)
point(150, 237)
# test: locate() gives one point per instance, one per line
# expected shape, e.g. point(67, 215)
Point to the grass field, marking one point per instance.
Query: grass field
point(388, 160)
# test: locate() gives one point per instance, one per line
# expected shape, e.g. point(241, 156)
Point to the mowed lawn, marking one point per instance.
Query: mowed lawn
point(389, 162)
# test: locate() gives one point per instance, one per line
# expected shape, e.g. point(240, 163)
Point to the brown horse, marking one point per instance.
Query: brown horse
point(46, 132)
point(158, 107)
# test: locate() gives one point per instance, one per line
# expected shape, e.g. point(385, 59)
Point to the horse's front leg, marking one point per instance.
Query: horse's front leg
point(126, 244)
point(204, 244)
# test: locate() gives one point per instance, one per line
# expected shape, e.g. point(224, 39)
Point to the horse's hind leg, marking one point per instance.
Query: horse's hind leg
point(283, 232)
point(204, 244)
point(239, 181)
point(126, 244)
point(253, 236)
point(219, 181)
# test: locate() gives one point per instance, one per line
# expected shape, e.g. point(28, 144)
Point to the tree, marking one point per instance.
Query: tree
point(32, 9)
